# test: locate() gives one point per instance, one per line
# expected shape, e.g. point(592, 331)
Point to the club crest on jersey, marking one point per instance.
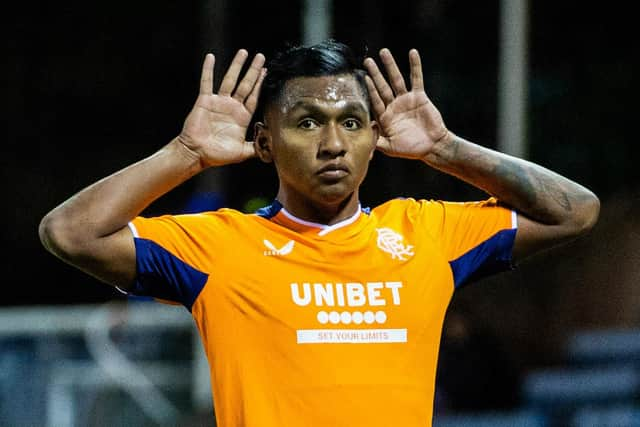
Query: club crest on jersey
point(273, 251)
point(391, 242)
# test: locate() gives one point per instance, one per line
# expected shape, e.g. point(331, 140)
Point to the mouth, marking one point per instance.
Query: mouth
point(333, 171)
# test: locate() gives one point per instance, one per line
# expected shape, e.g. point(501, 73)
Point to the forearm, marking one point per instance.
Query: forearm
point(109, 204)
point(534, 191)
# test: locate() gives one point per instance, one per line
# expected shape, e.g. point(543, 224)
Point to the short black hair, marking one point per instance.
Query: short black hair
point(327, 58)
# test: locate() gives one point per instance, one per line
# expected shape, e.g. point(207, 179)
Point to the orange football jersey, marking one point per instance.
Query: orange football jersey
point(305, 324)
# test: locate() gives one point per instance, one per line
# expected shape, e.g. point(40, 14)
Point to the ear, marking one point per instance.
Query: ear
point(375, 134)
point(262, 142)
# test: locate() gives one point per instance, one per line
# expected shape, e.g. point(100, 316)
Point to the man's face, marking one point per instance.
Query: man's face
point(321, 139)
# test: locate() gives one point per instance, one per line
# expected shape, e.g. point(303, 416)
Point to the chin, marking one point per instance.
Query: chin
point(334, 195)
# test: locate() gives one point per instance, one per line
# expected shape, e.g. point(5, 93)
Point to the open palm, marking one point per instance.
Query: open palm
point(409, 122)
point(215, 128)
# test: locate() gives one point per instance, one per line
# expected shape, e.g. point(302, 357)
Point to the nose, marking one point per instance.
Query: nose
point(332, 144)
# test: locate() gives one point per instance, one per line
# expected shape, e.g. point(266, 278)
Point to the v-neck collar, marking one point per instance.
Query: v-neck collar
point(279, 215)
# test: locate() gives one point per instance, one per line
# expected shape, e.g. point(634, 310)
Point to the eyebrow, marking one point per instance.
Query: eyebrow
point(347, 107)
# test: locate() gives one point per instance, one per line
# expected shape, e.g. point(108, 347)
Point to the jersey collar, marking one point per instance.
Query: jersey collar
point(278, 214)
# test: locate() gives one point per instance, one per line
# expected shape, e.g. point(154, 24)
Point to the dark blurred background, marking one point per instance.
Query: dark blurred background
point(94, 86)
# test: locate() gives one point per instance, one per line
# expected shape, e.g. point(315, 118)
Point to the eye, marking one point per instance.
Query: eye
point(352, 124)
point(307, 124)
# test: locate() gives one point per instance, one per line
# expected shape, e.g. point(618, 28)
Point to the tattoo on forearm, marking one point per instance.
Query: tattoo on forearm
point(535, 188)
point(549, 187)
point(455, 147)
point(512, 172)
point(529, 188)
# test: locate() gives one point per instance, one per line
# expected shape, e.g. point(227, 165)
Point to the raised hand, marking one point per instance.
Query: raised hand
point(410, 124)
point(215, 128)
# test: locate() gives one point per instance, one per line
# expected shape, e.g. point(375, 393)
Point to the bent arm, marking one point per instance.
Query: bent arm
point(551, 208)
point(89, 230)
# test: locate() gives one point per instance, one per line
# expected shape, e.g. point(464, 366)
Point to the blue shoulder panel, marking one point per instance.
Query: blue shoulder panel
point(490, 257)
point(162, 275)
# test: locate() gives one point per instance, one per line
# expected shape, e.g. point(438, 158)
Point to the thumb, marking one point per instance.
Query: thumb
point(383, 144)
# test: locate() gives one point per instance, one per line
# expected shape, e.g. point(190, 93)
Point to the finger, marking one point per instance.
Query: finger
point(252, 100)
point(206, 77)
point(415, 64)
point(381, 85)
point(395, 76)
point(250, 78)
point(377, 104)
point(231, 77)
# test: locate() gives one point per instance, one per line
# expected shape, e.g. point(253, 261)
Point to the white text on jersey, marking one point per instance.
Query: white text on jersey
point(350, 294)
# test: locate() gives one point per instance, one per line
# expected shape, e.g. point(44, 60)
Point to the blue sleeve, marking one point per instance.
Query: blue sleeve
point(491, 256)
point(162, 275)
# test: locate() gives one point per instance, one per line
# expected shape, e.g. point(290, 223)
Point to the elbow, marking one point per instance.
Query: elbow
point(56, 236)
point(48, 232)
point(594, 211)
point(586, 214)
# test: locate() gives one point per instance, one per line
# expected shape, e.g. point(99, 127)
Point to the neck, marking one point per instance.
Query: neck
point(320, 212)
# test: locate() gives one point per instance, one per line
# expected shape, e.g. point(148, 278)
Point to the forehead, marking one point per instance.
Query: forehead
point(324, 90)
